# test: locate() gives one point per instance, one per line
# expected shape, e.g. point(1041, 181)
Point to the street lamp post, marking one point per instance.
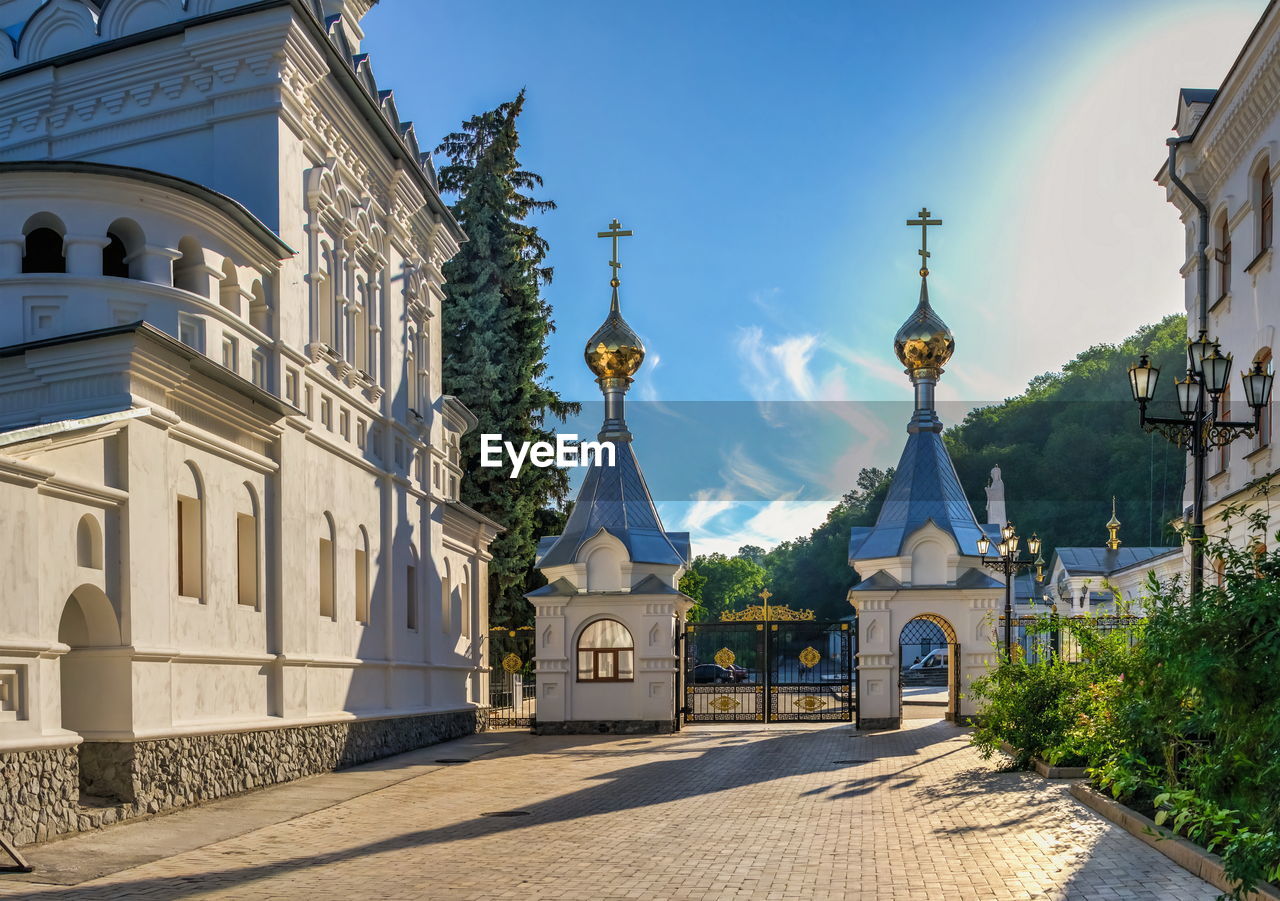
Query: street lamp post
point(1010, 563)
point(1199, 430)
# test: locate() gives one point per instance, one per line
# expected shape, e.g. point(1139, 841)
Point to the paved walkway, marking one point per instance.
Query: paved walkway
point(772, 813)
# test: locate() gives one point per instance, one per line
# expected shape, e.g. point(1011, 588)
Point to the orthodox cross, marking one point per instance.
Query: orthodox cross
point(615, 231)
point(924, 222)
point(764, 596)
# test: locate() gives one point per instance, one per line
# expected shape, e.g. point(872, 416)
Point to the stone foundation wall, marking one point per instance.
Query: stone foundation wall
point(41, 790)
point(875, 723)
point(39, 794)
point(604, 727)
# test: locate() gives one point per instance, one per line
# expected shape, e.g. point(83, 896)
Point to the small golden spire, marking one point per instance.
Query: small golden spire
point(924, 342)
point(1113, 528)
point(614, 351)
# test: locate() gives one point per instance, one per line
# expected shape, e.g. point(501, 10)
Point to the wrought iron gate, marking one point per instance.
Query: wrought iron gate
point(799, 671)
point(513, 693)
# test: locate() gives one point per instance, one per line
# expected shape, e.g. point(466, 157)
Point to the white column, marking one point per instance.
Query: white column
point(155, 264)
point(84, 253)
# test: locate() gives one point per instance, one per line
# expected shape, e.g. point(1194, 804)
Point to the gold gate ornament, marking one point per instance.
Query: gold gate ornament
point(809, 703)
point(810, 657)
point(725, 657)
point(512, 663)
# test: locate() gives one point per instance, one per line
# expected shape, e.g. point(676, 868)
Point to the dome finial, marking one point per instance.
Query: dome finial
point(614, 353)
point(1113, 528)
point(924, 342)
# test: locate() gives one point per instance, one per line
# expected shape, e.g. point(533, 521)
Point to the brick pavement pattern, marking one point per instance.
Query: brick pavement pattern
point(712, 812)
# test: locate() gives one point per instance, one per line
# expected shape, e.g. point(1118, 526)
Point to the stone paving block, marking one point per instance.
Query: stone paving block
point(707, 813)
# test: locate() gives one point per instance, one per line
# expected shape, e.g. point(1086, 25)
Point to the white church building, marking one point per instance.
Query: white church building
point(229, 530)
point(1228, 155)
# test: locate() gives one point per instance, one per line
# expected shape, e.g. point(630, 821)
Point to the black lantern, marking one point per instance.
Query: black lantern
point(1216, 369)
point(1142, 379)
point(1257, 385)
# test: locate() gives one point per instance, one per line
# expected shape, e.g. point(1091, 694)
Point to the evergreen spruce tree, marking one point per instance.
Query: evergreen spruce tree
point(494, 333)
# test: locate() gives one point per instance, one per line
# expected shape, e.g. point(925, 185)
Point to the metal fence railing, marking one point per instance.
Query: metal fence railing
point(1040, 637)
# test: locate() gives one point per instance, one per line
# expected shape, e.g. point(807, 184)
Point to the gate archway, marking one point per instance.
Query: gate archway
point(928, 668)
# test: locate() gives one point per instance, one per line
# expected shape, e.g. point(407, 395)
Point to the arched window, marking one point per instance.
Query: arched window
point(362, 577)
point(113, 255)
point(247, 543)
point(229, 288)
point(1224, 256)
point(411, 591)
point(373, 319)
point(464, 596)
point(606, 653)
point(324, 295)
point(446, 599)
point(1264, 429)
point(410, 376)
point(43, 251)
point(328, 539)
point(190, 534)
point(1264, 208)
point(89, 542)
point(189, 271)
point(259, 310)
point(124, 242)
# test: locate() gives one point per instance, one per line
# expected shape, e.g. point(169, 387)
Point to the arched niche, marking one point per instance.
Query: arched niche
point(603, 557)
point(930, 549)
point(124, 17)
point(57, 27)
point(94, 685)
point(88, 620)
point(89, 542)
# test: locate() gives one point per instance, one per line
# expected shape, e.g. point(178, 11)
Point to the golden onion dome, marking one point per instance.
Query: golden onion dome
point(924, 341)
point(614, 351)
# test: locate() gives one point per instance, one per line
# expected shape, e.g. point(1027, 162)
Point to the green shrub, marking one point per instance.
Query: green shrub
point(1177, 713)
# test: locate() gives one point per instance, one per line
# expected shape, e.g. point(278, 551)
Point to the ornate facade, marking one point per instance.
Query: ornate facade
point(1231, 160)
point(228, 473)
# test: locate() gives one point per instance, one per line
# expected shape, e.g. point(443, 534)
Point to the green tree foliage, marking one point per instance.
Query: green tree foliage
point(1065, 446)
point(812, 572)
point(494, 331)
point(1071, 441)
point(724, 583)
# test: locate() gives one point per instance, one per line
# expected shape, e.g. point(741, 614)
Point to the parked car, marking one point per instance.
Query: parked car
point(739, 673)
point(935, 658)
point(708, 673)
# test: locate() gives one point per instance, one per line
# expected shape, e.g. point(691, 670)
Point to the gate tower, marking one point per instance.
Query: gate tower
point(608, 621)
point(920, 560)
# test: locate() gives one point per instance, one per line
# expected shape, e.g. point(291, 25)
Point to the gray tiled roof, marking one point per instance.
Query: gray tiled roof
point(925, 488)
point(1102, 561)
point(616, 499)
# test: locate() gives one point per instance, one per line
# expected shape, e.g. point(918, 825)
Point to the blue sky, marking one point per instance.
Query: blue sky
point(767, 157)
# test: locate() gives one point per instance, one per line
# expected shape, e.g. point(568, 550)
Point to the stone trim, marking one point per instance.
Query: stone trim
point(52, 791)
point(874, 723)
